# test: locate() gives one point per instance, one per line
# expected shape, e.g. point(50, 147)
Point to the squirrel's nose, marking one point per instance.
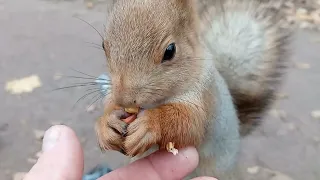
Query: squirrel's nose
point(124, 97)
point(124, 93)
point(124, 100)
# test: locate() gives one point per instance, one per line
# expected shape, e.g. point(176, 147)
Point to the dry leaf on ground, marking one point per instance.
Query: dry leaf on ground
point(39, 134)
point(282, 96)
point(264, 173)
point(315, 114)
point(89, 5)
point(302, 66)
point(19, 175)
point(280, 114)
point(57, 76)
point(91, 108)
point(253, 170)
point(32, 160)
point(24, 85)
point(39, 154)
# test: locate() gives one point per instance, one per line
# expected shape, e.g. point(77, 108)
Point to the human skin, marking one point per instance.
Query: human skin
point(62, 159)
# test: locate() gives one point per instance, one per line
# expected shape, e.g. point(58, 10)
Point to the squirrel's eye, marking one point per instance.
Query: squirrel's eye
point(170, 52)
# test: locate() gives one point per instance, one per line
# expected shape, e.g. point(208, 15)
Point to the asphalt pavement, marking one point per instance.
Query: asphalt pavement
point(44, 39)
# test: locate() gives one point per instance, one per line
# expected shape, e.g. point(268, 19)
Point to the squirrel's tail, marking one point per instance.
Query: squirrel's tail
point(249, 46)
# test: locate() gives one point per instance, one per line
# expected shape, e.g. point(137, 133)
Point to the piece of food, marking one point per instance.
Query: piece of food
point(130, 119)
point(170, 148)
point(132, 110)
point(133, 114)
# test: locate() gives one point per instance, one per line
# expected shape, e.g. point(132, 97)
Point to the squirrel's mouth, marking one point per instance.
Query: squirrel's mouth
point(128, 114)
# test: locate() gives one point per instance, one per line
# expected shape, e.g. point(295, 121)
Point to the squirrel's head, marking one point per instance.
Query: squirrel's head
point(152, 50)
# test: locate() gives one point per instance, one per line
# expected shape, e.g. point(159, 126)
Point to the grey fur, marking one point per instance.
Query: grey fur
point(250, 49)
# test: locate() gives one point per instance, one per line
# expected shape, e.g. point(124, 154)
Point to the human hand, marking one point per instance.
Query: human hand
point(62, 159)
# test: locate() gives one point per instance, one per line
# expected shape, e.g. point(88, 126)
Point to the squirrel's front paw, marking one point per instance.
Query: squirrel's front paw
point(111, 130)
point(142, 134)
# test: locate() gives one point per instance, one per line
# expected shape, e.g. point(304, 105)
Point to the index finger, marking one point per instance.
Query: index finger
point(160, 165)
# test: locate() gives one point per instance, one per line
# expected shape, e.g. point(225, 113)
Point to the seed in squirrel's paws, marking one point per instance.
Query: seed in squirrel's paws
point(170, 148)
point(132, 110)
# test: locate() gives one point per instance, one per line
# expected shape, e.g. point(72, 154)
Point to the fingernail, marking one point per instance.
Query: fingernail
point(51, 138)
point(189, 151)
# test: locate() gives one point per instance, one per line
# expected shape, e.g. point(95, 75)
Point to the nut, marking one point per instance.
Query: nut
point(132, 110)
point(170, 148)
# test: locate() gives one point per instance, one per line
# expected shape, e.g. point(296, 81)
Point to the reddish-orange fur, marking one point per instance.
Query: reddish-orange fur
point(178, 123)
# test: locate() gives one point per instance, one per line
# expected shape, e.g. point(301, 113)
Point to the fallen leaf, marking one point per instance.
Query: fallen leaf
point(269, 174)
point(89, 5)
point(291, 126)
point(280, 176)
point(302, 11)
point(253, 170)
point(39, 154)
point(302, 66)
point(19, 175)
point(57, 76)
point(282, 96)
point(24, 85)
point(39, 134)
point(316, 139)
point(305, 25)
point(289, 4)
point(280, 114)
point(91, 108)
point(315, 114)
point(31, 160)
point(316, 16)
point(281, 132)
point(305, 17)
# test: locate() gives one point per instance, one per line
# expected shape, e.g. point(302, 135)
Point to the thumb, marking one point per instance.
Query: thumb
point(62, 157)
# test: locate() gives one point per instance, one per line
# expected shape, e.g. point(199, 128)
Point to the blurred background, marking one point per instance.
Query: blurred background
point(43, 45)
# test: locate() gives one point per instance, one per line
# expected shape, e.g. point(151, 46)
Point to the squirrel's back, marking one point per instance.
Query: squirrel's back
point(249, 47)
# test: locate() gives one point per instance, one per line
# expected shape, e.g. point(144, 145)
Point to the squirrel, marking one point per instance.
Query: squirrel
point(203, 73)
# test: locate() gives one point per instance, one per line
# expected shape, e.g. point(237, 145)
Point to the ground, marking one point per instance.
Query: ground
point(44, 39)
